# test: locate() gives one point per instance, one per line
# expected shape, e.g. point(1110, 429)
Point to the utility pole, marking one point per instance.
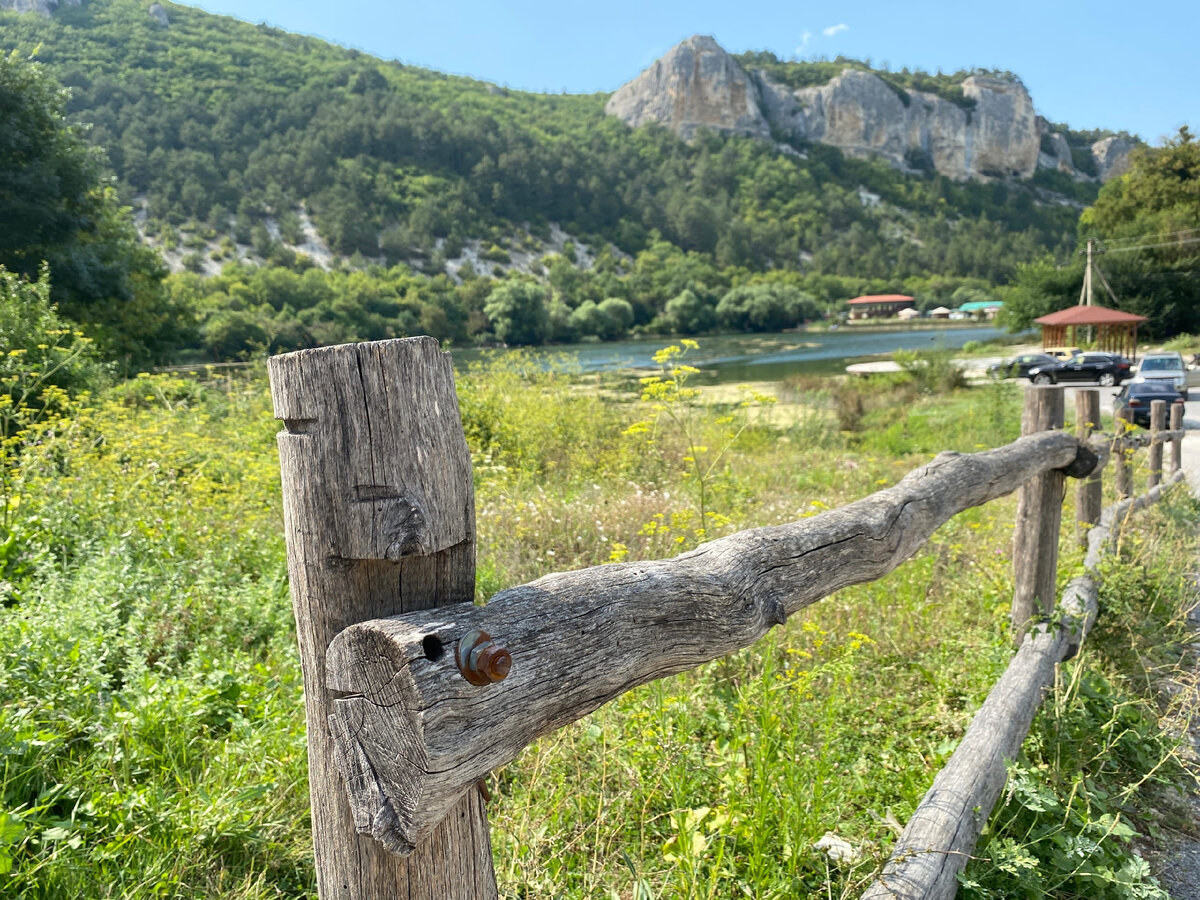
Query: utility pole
point(1085, 296)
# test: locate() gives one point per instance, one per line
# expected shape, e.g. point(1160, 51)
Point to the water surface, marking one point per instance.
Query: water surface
point(760, 357)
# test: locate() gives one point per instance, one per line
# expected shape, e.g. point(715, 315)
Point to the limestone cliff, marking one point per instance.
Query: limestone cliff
point(993, 132)
point(862, 114)
point(696, 85)
point(1112, 156)
point(42, 7)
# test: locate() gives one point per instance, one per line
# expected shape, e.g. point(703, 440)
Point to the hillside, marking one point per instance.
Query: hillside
point(234, 141)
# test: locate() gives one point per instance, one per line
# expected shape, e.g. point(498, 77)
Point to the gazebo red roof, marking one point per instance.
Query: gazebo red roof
point(880, 298)
point(1088, 315)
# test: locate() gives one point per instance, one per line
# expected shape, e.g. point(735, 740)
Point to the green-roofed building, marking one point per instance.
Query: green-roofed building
point(987, 308)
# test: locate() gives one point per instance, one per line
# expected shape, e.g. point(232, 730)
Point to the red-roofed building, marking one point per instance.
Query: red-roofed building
point(1115, 331)
point(878, 306)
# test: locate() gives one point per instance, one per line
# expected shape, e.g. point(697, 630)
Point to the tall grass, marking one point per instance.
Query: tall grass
point(152, 734)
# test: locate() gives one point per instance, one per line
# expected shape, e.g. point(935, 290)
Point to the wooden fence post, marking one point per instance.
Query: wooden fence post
point(1122, 422)
point(1089, 491)
point(379, 512)
point(1158, 422)
point(1176, 444)
point(1039, 518)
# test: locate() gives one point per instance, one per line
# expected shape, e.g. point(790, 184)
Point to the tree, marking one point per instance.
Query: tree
point(1159, 195)
point(1041, 287)
point(57, 211)
point(1147, 223)
point(519, 311)
point(685, 313)
point(765, 307)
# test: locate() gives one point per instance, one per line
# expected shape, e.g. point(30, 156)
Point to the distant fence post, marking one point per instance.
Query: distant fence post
point(378, 509)
point(1122, 422)
point(1176, 444)
point(1039, 518)
point(1089, 491)
point(1158, 422)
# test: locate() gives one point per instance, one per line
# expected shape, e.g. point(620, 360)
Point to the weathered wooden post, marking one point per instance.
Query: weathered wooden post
point(1122, 423)
point(1177, 443)
point(379, 513)
point(1158, 422)
point(1089, 491)
point(1039, 518)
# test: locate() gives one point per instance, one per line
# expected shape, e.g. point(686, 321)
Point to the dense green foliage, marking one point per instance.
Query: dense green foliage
point(1147, 227)
point(57, 210)
point(224, 132)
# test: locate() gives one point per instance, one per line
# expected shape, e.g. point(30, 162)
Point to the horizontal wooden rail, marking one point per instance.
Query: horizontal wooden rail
point(942, 832)
point(412, 734)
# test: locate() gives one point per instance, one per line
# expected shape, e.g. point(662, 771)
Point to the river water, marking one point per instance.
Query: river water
point(760, 357)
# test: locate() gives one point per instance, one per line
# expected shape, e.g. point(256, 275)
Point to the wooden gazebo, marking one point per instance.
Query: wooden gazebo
point(1115, 331)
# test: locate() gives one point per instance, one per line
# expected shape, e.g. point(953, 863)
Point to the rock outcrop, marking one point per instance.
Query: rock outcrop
point(863, 115)
point(696, 85)
point(1055, 151)
point(42, 7)
point(1112, 156)
point(159, 15)
point(992, 133)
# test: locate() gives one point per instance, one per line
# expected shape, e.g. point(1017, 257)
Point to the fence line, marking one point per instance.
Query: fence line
point(413, 693)
point(941, 834)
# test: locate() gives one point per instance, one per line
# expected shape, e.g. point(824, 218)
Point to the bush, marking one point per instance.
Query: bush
point(519, 312)
point(40, 349)
point(931, 371)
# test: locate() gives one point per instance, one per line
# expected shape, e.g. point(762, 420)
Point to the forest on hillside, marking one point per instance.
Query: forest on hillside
point(223, 133)
point(226, 138)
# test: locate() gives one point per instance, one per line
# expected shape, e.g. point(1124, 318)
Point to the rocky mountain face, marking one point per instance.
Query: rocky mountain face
point(696, 85)
point(994, 133)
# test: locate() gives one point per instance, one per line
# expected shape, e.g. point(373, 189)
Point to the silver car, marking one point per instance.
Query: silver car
point(1165, 367)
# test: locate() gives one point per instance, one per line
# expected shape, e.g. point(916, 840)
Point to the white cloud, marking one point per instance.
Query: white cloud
point(835, 29)
point(804, 39)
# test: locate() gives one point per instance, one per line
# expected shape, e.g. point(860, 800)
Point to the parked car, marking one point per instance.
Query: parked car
point(1019, 366)
point(1138, 395)
point(1165, 367)
point(1062, 354)
point(1103, 368)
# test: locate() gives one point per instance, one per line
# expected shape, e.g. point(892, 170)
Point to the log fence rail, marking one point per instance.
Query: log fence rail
point(414, 693)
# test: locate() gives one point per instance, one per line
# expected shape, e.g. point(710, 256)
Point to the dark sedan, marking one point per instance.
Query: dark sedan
point(1019, 366)
point(1101, 368)
point(1137, 397)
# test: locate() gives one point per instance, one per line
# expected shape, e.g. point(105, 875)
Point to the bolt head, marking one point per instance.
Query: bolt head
point(490, 661)
point(481, 660)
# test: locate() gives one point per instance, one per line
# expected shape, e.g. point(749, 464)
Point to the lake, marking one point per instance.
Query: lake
point(761, 357)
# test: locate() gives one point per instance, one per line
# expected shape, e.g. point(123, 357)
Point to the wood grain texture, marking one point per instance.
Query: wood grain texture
point(1089, 492)
point(1158, 424)
point(1122, 451)
point(379, 518)
point(1038, 521)
point(1176, 458)
point(941, 835)
point(415, 735)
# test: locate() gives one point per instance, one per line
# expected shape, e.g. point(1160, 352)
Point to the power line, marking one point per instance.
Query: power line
point(1176, 243)
point(1143, 237)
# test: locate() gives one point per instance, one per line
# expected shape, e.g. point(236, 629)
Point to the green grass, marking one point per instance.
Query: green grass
point(151, 725)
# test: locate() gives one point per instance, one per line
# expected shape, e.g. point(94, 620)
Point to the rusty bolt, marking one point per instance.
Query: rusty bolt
point(480, 659)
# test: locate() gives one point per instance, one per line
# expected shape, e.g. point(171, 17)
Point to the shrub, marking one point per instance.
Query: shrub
point(931, 371)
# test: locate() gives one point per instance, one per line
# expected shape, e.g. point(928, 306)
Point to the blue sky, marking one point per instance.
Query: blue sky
point(1096, 65)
